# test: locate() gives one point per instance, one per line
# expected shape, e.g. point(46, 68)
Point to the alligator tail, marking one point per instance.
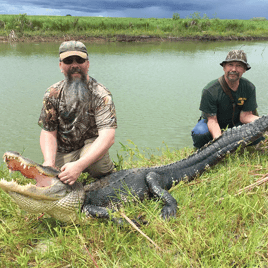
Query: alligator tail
point(214, 151)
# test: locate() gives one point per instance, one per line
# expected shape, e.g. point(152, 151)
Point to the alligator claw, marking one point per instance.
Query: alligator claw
point(169, 211)
point(119, 221)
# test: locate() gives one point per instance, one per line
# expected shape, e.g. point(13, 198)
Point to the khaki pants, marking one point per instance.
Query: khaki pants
point(100, 168)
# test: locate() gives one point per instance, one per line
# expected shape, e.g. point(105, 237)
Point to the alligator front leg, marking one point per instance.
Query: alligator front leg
point(153, 181)
point(101, 212)
point(96, 212)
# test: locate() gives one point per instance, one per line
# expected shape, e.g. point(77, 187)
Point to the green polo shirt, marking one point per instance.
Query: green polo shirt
point(215, 101)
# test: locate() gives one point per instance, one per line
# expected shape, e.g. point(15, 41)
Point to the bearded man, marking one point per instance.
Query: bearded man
point(78, 119)
point(226, 102)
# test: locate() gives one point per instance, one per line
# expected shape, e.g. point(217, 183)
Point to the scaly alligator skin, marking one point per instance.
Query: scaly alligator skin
point(64, 202)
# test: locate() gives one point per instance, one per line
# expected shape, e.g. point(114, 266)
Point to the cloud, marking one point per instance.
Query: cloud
point(228, 9)
point(98, 6)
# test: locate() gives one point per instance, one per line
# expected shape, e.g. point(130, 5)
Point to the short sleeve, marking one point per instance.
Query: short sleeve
point(105, 114)
point(48, 119)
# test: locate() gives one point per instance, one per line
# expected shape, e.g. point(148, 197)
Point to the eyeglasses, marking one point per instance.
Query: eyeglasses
point(70, 60)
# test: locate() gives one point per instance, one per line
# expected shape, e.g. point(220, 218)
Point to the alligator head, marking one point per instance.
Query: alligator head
point(49, 195)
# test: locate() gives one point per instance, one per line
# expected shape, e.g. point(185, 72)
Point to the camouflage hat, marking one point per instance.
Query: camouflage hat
point(73, 48)
point(237, 55)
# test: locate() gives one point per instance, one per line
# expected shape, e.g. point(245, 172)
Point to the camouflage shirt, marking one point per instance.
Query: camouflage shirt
point(74, 127)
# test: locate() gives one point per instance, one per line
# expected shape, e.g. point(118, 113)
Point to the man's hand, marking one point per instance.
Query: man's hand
point(70, 173)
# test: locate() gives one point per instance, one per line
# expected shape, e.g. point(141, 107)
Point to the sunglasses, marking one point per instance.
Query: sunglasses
point(70, 60)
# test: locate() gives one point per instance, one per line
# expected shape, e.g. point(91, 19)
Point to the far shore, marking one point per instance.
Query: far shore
point(24, 28)
point(128, 38)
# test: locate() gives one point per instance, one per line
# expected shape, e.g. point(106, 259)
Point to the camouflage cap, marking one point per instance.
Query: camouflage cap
point(73, 48)
point(237, 55)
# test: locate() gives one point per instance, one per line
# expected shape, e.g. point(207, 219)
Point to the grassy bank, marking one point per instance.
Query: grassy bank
point(217, 225)
point(24, 27)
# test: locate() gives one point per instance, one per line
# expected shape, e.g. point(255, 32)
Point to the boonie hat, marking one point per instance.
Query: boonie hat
point(237, 55)
point(73, 48)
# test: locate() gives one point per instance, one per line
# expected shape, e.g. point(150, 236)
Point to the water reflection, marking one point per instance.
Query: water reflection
point(156, 88)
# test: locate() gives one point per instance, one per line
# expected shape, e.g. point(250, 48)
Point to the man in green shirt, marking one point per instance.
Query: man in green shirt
point(226, 102)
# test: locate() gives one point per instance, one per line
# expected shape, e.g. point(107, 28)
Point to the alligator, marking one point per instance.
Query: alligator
point(99, 198)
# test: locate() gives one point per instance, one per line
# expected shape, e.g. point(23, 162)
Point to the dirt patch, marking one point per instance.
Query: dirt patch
point(128, 38)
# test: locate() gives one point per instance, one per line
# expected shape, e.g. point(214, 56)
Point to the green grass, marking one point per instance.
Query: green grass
point(62, 26)
point(214, 227)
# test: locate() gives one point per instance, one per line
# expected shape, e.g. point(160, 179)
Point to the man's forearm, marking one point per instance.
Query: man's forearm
point(214, 128)
point(48, 144)
point(98, 148)
point(247, 117)
point(71, 171)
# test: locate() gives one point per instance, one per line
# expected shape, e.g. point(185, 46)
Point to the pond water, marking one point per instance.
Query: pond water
point(156, 88)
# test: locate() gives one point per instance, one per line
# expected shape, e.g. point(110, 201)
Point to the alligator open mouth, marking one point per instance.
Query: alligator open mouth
point(29, 169)
point(48, 191)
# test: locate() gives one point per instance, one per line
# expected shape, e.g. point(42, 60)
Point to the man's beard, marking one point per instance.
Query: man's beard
point(76, 91)
point(233, 79)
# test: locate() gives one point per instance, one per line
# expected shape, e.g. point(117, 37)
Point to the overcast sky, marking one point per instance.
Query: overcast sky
point(222, 9)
